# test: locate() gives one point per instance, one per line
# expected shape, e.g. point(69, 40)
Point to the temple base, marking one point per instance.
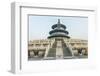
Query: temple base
point(59, 50)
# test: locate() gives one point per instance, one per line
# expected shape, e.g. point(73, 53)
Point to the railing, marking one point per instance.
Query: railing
point(33, 48)
point(47, 50)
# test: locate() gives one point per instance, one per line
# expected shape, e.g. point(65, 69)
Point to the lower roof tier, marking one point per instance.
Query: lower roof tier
point(58, 35)
point(58, 30)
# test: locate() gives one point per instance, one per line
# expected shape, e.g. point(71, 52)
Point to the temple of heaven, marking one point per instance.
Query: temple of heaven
point(59, 49)
point(58, 30)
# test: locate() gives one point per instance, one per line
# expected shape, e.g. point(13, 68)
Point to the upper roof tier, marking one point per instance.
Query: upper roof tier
point(58, 25)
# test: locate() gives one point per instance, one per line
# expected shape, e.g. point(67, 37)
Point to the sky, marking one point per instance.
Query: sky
point(39, 26)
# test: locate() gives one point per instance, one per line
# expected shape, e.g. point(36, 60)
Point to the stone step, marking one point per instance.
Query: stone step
point(66, 52)
point(52, 52)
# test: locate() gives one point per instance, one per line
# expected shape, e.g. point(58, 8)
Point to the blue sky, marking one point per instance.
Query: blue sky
point(39, 26)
